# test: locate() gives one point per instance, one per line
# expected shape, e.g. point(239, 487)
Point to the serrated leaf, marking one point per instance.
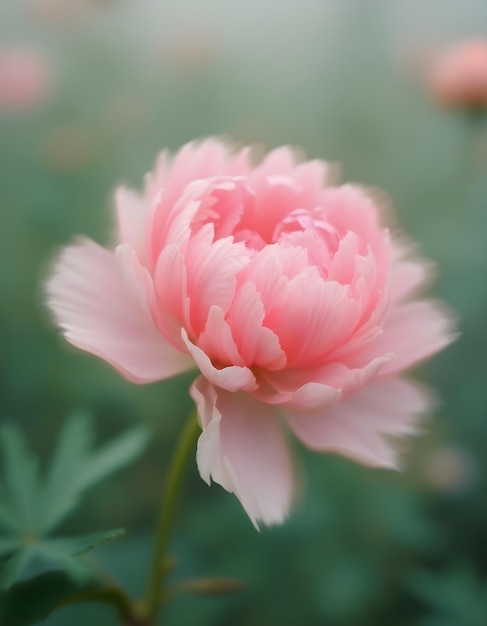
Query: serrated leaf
point(58, 552)
point(61, 494)
point(74, 470)
point(113, 456)
point(54, 558)
point(83, 543)
point(32, 601)
point(21, 477)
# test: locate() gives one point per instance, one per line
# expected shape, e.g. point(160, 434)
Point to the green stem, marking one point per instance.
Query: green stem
point(158, 572)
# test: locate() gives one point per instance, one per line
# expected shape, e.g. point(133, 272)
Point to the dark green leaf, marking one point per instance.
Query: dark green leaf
point(84, 543)
point(74, 470)
point(113, 456)
point(21, 477)
point(57, 553)
point(61, 493)
point(55, 558)
point(31, 601)
point(31, 510)
point(16, 566)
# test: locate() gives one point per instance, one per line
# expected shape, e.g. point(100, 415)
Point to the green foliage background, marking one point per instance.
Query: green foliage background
point(346, 81)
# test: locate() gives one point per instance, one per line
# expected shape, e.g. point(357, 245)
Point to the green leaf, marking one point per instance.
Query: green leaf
point(32, 601)
point(113, 456)
point(57, 552)
point(31, 508)
point(74, 470)
point(21, 478)
point(16, 566)
point(83, 543)
point(9, 544)
point(53, 557)
point(61, 493)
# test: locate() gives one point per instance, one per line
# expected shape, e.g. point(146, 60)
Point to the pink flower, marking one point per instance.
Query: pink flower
point(25, 79)
point(291, 299)
point(459, 77)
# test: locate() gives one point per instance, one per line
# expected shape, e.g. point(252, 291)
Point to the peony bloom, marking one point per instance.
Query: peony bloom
point(25, 79)
point(288, 295)
point(459, 77)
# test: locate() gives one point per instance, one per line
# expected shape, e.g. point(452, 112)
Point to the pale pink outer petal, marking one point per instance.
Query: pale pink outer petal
point(413, 332)
point(243, 448)
point(309, 396)
point(317, 388)
point(231, 378)
point(100, 313)
point(279, 162)
point(196, 160)
point(313, 176)
point(359, 426)
point(350, 207)
point(410, 273)
point(193, 162)
point(131, 209)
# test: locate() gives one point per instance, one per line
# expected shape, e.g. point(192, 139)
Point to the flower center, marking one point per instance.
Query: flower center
point(275, 215)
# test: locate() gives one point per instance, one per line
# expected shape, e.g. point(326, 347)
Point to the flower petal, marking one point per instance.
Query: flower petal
point(356, 426)
point(231, 378)
point(194, 161)
point(413, 332)
point(409, 273)
point(217, 340)
point(311, 318)
point(243, 448)
point(305, 389)
point(101, 314)
point(171, 288)
point(313, 176)
point(280, 161)
point(349, 207)
point(258, 345)
point(211, 269)
point(131, 219)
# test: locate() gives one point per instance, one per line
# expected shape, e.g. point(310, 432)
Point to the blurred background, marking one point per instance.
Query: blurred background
point(97, 88)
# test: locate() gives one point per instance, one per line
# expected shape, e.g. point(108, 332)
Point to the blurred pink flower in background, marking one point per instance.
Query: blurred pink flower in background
point(66, 12)
point(190, 54)
point(288, 294)
point(69, 147)
point(452, 469)
point(25, 79)
point(459, 76)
